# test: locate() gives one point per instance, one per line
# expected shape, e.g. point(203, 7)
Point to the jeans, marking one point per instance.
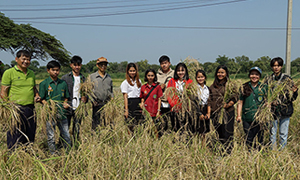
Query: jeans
point(64, 131)
point(97, 118)
point(283, 131)
point(76, 124)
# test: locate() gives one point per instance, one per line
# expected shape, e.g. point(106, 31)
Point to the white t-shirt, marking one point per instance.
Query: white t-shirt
point(179, 85)
point(76, 93)
point(132, 91)
point(203, 94)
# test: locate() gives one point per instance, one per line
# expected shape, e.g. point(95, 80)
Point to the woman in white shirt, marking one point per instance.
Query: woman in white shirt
point(131, 88)
point(202, 125)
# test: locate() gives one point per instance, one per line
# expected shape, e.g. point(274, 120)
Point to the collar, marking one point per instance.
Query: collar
point(17, 69)
point(152, 85)
point(258, 84)
point(52, 81)
point(71, 74)
point(204, 87)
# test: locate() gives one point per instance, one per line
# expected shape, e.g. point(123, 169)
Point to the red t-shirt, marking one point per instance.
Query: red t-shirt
point(173, 99)
point(151, 103)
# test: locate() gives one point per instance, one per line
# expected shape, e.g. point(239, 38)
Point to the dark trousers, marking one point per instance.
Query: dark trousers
point(27, 127)
point(76, 124)
point(97, 118)
point(182, 122)
point(166, 118)
point(225, 130)
point(251, 130)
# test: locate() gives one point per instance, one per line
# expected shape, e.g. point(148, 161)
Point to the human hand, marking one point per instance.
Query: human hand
point(66, 105)
point(239, 119)
point(202, 117)
point(126, 113)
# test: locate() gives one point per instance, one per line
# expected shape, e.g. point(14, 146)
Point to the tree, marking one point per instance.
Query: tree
point(244, 63)
point(42, 45)
point(295, 64)
point(222, 60)
point(263, 63)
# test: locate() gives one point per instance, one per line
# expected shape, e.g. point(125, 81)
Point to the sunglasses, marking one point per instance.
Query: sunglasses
point(102, 63)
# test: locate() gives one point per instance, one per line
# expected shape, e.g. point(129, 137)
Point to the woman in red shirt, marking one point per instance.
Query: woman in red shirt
point(177, 85)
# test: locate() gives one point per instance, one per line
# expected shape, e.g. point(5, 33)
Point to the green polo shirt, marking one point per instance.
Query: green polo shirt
point(55, 90)
point(20, 85)
point(253, 102)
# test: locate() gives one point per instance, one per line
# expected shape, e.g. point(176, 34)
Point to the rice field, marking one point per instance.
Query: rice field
point(113, 152)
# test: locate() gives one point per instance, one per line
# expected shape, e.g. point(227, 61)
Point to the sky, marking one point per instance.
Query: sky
point(253, 28)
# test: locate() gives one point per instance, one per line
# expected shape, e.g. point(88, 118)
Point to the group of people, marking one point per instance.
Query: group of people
point(169, 97)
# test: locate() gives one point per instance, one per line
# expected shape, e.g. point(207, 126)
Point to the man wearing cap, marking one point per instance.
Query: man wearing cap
point(103, 90)
point(252, 97)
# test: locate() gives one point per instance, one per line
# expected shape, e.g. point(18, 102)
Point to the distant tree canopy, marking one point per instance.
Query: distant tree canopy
point(14, 37)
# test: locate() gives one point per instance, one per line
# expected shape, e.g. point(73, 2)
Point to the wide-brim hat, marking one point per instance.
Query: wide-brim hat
point(256, 69)
point(102, 60)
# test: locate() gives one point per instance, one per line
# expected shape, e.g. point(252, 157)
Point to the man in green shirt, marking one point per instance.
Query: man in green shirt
point(57, 90)
point(18, 86)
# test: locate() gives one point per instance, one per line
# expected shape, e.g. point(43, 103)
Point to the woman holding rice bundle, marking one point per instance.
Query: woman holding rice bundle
point(202, 125)
point(252, 97)
point(131, 88)
point(222, 98)
point(176, 89)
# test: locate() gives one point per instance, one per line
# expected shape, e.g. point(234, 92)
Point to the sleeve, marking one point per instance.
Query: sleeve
point(111, 88)
point(67, 95)
point(241, 97)
point(142, 92)
point(6, 78)
point(159, 91)
point(170, 83)
point(124, 87)
point(42, 90)
point(210, 97)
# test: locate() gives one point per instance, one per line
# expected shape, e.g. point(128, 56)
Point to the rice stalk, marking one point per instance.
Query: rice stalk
point(10, 114)
point(86, 89)
point(111, 110)
point(231, 90)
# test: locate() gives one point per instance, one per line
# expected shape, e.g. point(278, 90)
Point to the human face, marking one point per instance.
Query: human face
point(132, 72)
point(150, 77)
point(76, 67)
point(165, 66)
point(254, 76)
point(53, 72)
point(221, 74)
point(23, 62)
point(200, 79)
point(276, 68)
point(102, 66)
point(181, 72)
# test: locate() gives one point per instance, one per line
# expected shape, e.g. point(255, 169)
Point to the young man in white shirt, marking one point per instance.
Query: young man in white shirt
point(74, 80)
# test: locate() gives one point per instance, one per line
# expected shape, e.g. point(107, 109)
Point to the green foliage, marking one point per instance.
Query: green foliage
point(42, 45)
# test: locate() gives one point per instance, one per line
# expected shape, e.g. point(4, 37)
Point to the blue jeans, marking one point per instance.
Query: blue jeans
point(64, 132)
point(283, 132)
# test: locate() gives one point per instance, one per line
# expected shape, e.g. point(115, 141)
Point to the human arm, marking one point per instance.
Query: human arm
point(65, 103)
point(37, 97)
point(207, 116)
point(125, 96)
point(4, 92)
point(239, 111)
point(142, 103)
point(158, 108)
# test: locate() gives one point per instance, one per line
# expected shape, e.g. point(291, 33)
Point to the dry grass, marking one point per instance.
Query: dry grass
point(113, 153)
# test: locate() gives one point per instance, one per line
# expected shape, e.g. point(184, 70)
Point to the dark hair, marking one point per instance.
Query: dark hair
point(279, 60)
point(150, 70)
point(164, 58)
point(53, 64)
point(186, 76)
point(246, 90)
point(137, 78)
point(23, 53)
point(216, 81)
point(76, 60)
point(202, 72)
